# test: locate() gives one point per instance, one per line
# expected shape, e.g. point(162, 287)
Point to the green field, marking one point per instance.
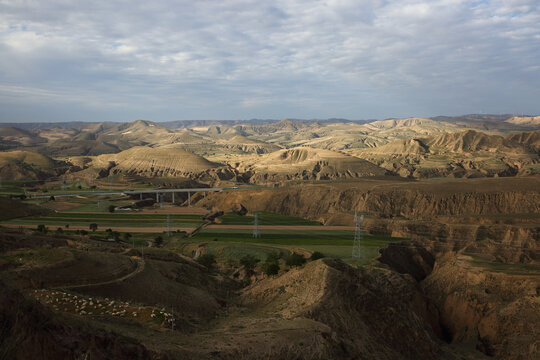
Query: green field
point(106, 220)
point(265, 218)
point(336, 244)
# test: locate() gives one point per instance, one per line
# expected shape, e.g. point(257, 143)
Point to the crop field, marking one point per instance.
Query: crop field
point(109, 220)
point(265, 218)
point(336, 244)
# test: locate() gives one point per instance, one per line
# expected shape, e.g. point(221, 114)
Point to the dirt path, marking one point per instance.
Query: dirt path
point(283, 227)
point(138, 269)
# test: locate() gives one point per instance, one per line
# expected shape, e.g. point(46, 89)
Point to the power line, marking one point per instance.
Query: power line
point(357, 246)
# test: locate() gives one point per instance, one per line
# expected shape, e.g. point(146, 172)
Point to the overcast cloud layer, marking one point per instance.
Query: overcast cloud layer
point(235, 59)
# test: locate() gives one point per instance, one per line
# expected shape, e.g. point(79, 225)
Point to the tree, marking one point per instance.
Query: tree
point(316, 256)
point(42, 228)
point(51, 198)
point(295, 260)
point(111, 208)
point(249, 262)
point(127, 236)
point(93, 226)
point(207, 260)
point(158, 241)
point(271, 268)
point(271, 264)
point(59, 230)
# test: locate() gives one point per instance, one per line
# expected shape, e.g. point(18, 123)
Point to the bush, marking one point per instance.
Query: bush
point(207, 260)
point(271, 265)
point(249, 262)
point(271, 268)
point(158, 241)
point(295, 260)
point(316, 256)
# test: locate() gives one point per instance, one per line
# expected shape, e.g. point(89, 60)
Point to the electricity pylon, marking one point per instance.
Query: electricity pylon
point(357, 246)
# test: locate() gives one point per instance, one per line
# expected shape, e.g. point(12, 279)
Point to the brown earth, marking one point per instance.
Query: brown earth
point(390, 199)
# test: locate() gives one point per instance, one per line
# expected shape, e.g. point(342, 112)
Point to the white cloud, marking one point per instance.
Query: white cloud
point(419, 57)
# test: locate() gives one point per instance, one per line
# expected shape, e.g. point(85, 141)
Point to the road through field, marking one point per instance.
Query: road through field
point(283, 227)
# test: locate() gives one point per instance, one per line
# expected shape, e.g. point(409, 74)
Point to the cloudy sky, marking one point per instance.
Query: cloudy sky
point(240, 59)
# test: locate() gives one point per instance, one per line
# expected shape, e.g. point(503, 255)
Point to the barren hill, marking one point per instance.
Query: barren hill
point(11, 137)
point(530, 139)
point(303, 163)
point(146, 161)
point(467, 153)
point(18, 165)
point(402, 147)
point(529, 121)
point(472, 141)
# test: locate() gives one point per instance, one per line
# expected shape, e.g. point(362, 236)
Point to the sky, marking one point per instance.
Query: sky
point(241, 59)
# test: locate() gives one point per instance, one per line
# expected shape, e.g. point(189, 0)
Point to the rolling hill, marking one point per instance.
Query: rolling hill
point(22, 165)
point(303, 163)
point(460, 154)
point(154, 162)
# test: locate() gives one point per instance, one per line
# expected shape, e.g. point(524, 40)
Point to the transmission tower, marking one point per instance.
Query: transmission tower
point(256, 233)
point(357, 246)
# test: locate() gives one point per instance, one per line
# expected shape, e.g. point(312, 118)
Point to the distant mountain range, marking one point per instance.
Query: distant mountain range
point(260, 151)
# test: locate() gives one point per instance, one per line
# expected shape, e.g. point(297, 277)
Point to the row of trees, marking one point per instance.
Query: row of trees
point(271, 265)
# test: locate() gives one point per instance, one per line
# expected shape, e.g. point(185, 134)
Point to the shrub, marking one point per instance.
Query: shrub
point(271, 264)
point(207, 260)
point(316, 256)
point(249, 262)
point(295, 260)
point(271, 268)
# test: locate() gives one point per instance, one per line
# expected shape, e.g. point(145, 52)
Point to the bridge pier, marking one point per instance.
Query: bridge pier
point(141, 195)
point(173, 197)
point(189, 198)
